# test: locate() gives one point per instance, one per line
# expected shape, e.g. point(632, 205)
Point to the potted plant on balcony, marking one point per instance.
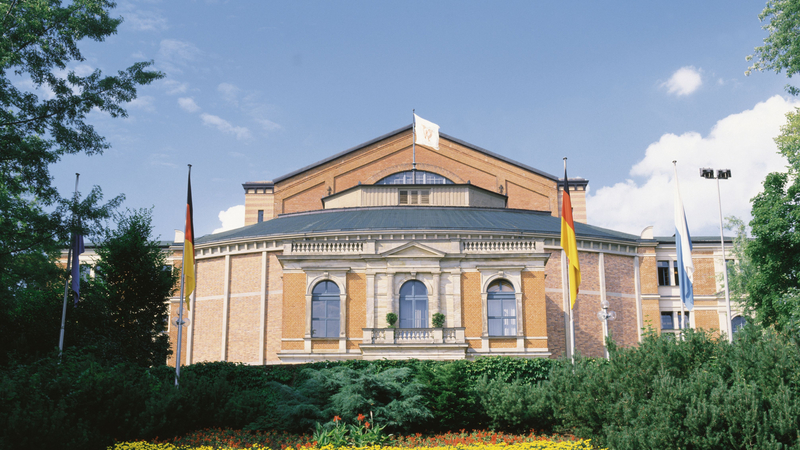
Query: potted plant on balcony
point(391, 319)
point(437, 320)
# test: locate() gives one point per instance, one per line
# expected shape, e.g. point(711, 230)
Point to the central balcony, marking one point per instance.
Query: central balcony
point(417, 343)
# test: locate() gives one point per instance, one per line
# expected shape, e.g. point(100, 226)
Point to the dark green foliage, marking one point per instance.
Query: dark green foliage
point(39, 44)
point(780, 50)
point(392, 395)
point(123, 314)
point(507, 369)
point(451, 396)
point(698, 393)
point(518, 406)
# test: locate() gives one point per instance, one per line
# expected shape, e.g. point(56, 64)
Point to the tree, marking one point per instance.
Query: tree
point(39, 42)
point(123, 315)
point(781, 49)
point(774, 287)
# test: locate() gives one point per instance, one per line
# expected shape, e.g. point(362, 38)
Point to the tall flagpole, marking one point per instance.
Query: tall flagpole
point(682, 322)
point(569, 291)
point(413, 146)
point(180, 305)
point(66, 284)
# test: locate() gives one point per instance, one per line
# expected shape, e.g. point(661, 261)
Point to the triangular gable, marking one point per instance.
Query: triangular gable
point(413, 249)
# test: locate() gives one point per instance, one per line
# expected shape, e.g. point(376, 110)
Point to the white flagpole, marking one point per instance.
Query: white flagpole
point(414, 146)
point(569, 290)
point(66, 285)
point(180, 305)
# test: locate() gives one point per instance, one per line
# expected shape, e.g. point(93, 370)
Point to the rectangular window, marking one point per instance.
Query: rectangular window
point(403, 197)
point(677, 282)
point(260, 215)
point(663, 273)
point(666, 321)
point(424, 198)
point(685, 325)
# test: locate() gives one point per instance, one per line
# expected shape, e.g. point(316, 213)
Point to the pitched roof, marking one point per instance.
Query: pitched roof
point(404, 129)
point(414, 218)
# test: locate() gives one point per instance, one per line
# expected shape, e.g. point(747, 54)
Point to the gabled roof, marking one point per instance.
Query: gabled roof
point(405, 219)
point(404, 129)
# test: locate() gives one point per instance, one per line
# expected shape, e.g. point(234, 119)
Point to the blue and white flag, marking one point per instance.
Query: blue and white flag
point(77, 249)
point(683, 245)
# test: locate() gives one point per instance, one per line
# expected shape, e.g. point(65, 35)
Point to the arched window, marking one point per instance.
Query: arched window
point(501, 303)
point(414, 177)
point(413, 305)
point(737, 323)
point(325, 309)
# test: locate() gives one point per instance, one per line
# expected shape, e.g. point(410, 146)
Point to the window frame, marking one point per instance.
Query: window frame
point(326, 300)
point(504, 298)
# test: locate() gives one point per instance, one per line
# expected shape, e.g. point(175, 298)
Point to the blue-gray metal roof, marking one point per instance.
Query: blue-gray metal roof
point(406, 128)
point(409, 218)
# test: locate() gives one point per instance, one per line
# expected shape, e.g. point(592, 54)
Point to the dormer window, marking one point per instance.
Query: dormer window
point(415, 197)
point(414, 177)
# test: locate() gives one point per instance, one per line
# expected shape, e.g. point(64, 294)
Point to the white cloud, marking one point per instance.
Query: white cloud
point(229, 92)
point(144, 102)
point(231, 218)
point(740, 142)
point(175, 87)
point(684, 81)
point(173, 54)
point(145, 20)
point(225, 126)
point(268, 125)
point(188, 104)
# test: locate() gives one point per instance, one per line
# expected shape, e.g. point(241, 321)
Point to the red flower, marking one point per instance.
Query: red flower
point(366, 424)
point(336, 419)
point(360, 417)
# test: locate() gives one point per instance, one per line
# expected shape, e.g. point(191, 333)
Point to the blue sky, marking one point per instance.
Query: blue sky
point(255, 90)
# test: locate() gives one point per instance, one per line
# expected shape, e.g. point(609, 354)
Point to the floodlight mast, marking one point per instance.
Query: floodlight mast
point(723, 174)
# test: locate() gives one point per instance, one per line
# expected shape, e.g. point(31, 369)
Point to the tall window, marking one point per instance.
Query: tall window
point(738, 322)
point(663, 273)
point(501, 303)
point(414, 177)
point(325, 309)
point(260, 215)
point(675, 273)
point(413, 305)
point(667, 321)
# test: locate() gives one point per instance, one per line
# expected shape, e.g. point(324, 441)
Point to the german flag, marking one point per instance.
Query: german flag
point(188, 246)
point(568, 242)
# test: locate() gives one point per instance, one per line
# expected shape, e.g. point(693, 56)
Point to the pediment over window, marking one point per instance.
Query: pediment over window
point(413, 250)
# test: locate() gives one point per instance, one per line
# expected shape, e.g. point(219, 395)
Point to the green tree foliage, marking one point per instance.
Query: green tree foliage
point(781, 49)
point(37, 127)
point(124, 310)
point(774, 286)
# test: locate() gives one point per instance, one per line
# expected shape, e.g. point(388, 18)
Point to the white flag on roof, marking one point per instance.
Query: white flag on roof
point(427, 133)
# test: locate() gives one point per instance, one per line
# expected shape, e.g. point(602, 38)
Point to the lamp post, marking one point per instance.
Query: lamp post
point(605, 315)
point(723, 174)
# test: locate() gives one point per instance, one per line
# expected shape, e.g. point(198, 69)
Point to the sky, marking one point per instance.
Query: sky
point(257, 89)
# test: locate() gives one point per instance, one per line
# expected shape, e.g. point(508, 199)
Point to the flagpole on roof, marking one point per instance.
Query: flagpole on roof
point(67, 282)
point(413, 146)
point(186, 237)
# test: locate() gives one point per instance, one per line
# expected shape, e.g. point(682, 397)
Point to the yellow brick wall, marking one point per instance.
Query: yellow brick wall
point(618, 271)
point(705, 278)
point(502, 343)
point(210, 276)
point(274, 307)
point(534, 304)
point(294, 306)
point(460, 164)
point(471, 304)
point(244, 328)
point(647, 271)
point(707, 320)
point(556, 332)
point(207, 345)
point(245, 273)
point(588, 330)
point(356, 304)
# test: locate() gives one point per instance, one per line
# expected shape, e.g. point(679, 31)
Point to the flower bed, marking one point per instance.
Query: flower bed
point(224, 439)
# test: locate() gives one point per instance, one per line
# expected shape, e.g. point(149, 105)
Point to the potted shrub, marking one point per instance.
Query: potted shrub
point(391, 319)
